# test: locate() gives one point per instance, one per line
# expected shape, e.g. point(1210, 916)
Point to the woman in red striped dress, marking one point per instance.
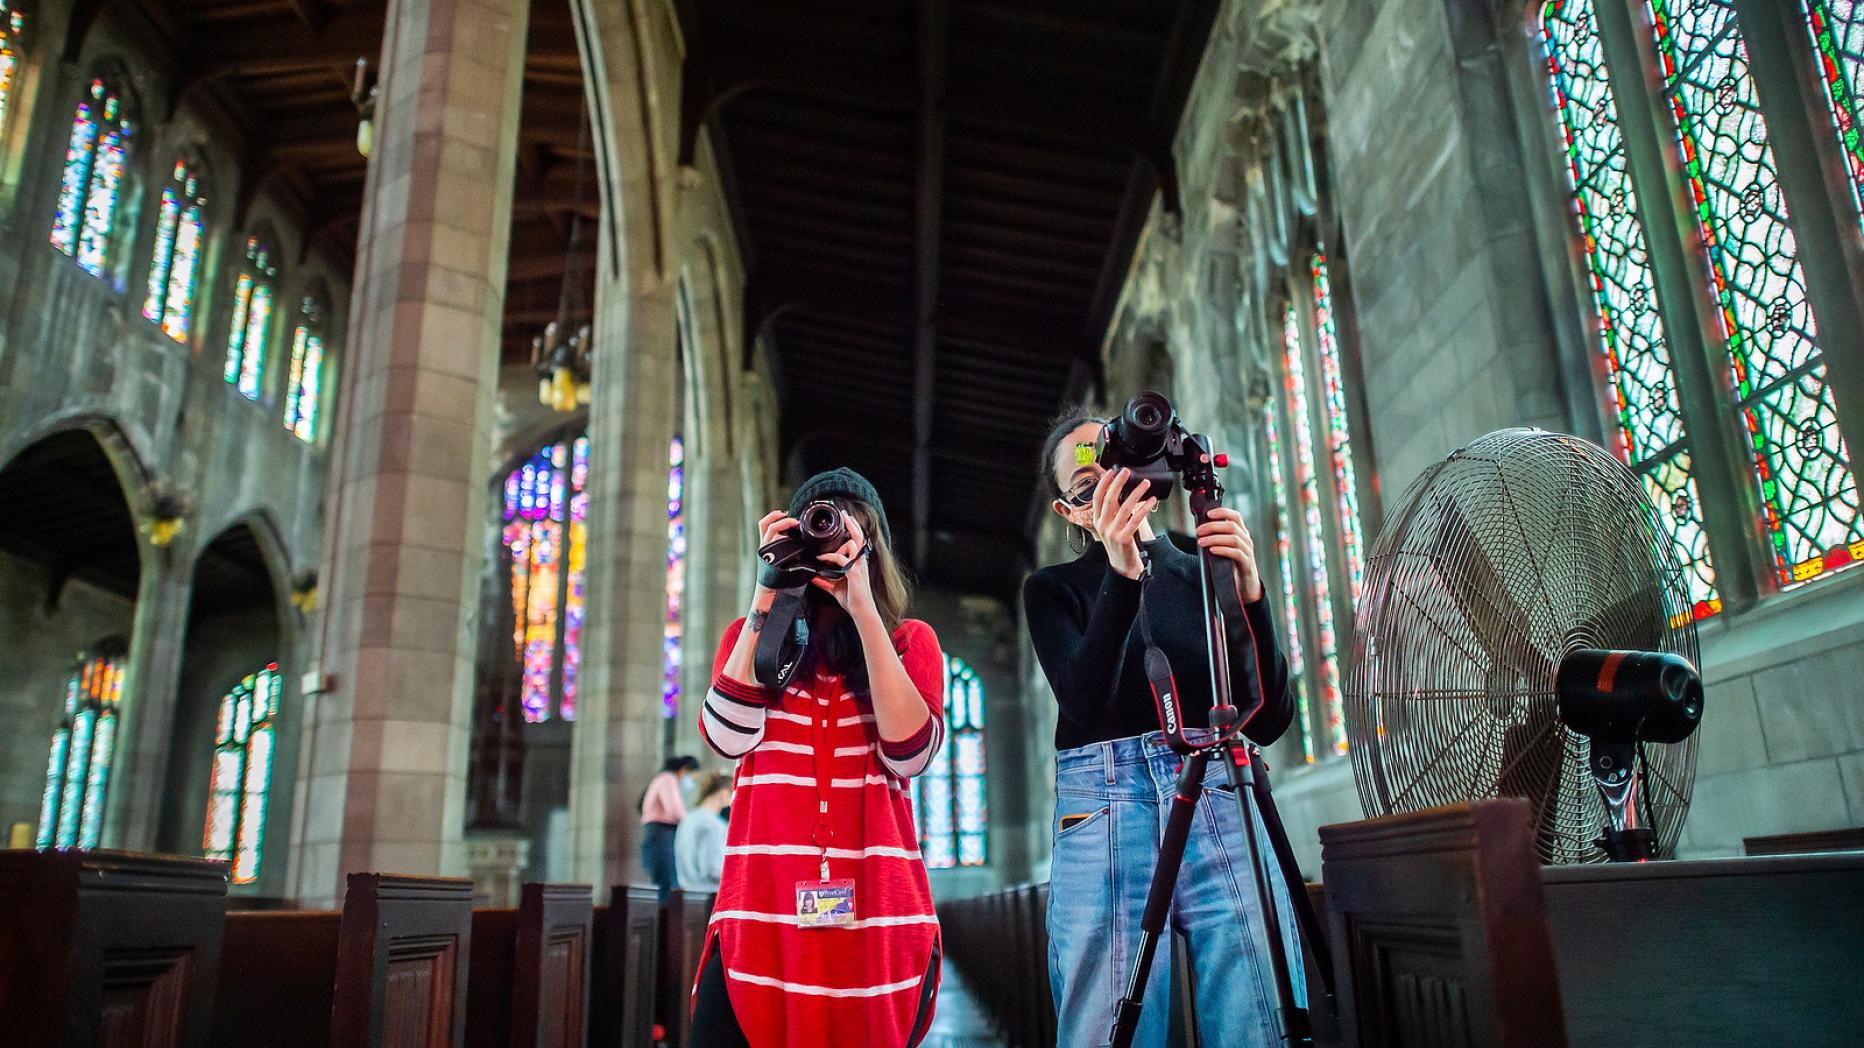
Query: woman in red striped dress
point(823, 933)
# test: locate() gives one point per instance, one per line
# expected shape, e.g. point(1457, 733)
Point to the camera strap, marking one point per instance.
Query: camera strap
point(784, 638)
point(1158, 667)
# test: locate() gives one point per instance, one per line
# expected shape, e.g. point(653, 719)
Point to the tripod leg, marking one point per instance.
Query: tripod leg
point(1158, 897)
point(1311, 931)
point(1295, 1025)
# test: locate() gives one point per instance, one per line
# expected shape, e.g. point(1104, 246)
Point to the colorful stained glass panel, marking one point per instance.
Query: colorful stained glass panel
point(90, 188)
point(12, 25)
point(1801, 466)
point(304, 385)
point(1307, 489)
point(176, 265)
point(1284, 562)
point(671, 658)
point(239, 784)
point(77, 776)
point(1837, 29)
point(1339, 438)
point(951, 798)
point(1643, 400)
point(545, 509)
point(251, 329)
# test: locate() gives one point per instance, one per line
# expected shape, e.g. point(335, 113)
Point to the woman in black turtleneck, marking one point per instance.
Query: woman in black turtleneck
point(1114, 774)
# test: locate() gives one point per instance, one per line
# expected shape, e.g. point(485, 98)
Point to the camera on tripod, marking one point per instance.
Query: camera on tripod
point(795, 557)
point(1148, 439)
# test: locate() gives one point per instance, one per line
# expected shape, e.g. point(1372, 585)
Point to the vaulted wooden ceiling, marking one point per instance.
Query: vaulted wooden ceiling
point(939, 202)
point(281, 72)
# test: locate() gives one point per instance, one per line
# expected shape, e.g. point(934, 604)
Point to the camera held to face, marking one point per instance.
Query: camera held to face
point(1148, 439)
point(794, 557)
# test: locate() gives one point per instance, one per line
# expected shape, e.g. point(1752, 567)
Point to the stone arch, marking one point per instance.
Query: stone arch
point(239, 622)
point(71, 572)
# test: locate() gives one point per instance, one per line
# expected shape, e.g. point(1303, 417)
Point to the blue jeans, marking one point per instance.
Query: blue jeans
point(1102, 870)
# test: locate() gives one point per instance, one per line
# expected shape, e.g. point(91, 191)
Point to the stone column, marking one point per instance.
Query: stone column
point(133, 807)
point(387, 754)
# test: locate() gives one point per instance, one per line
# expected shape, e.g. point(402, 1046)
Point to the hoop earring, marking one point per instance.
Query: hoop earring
point(1086, 540)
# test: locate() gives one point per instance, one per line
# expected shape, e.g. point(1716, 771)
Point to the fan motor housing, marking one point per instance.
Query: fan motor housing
point(1629, 696)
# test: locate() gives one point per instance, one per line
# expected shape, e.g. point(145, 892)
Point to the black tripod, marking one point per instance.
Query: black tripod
point(1249, 782)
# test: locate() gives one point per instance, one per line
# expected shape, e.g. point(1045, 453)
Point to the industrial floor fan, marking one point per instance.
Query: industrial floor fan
point(1525, 629)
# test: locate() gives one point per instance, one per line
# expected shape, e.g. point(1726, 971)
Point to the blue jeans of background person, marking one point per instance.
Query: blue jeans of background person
point(657, 855)
point(1102, 870)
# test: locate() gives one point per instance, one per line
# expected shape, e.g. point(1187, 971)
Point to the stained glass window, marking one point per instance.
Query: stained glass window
point(242, 773)
point(676, 578)
point(304, 383)
point(12, 27)
point(92, 185)
point(1800, 463)
point(951, 797)
point(545, 530)
point(1837, 28)
point(251, 331)
point(1307, 492)
point(77, 775)
point(177, 262)
point(1339, 439)
point(1291, 610)
point(1651, 436)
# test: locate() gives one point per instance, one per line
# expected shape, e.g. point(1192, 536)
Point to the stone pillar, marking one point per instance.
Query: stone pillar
point(133, 807)
point(387, 756)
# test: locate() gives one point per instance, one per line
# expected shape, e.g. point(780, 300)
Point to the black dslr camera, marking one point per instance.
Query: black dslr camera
point(794, 557)
point(1148, 439)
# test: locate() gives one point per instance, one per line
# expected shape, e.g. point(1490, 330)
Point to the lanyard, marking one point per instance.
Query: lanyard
point(823, 737)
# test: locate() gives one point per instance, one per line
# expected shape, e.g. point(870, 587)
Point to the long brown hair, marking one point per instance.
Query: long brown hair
point(841, 648)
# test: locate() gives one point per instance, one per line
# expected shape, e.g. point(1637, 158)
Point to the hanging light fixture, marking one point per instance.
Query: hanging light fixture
point(565, 362)
point(363, 95)
point(168, 514)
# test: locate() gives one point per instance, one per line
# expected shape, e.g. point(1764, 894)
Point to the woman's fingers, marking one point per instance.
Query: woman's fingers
point(855, 535)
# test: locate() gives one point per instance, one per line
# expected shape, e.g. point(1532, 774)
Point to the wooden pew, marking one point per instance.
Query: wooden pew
point(626, 980)
point(1439, 929)
point(1851, 839)
point(684, 916)
point(402, 959)
point(278, 975)
point(102, 949)
point(528, 985)
point(1712, 952)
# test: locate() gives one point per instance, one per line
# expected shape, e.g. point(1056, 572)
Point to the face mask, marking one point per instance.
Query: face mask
point(687, 788)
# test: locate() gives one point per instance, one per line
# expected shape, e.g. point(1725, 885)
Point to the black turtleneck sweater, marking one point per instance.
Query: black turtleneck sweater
point(1083, 619)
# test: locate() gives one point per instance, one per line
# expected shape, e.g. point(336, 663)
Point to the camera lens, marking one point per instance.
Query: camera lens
point(821, 525)
point(1143, 426)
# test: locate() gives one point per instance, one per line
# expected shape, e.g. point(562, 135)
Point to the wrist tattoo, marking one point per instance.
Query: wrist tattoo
point(755, 621)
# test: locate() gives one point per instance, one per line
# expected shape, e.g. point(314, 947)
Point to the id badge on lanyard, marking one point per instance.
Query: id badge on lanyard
point(824, 903)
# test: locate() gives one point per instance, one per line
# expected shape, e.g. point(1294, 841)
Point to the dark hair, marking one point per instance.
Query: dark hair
point(680, 763)
point(1072, 417)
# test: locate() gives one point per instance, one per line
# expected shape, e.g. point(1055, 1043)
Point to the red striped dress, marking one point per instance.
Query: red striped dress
point(867, 985)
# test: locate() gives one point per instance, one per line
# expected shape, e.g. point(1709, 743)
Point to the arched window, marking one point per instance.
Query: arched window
point(12, 28)
point(92, 186)
point(242, 773)
point(1308, 509)
point(546, 503)
point(1713, 129)
point(951, 798)
point(251, 331)
point(178, 243)
point(1284, 559)
point(304, 385)
point(671, 654)
point(77, 775)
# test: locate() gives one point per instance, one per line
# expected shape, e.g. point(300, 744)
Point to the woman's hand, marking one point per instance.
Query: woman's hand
point(1225, 535)
point(1117, 521)
point(853, 591)
point(769, 529)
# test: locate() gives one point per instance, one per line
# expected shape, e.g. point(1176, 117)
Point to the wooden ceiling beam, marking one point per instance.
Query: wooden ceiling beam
point(934, 40)
point(351, 32)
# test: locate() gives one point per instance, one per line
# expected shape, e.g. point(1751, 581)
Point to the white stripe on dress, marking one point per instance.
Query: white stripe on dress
point(826, 991)
point(809, 751)
point(775, 779)
point(792, 919)
point(876, 852)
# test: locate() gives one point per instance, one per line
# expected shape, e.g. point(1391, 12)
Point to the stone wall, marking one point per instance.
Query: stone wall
point(76, 353)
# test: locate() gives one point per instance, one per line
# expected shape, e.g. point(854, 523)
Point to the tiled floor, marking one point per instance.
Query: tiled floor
point(959, 1023)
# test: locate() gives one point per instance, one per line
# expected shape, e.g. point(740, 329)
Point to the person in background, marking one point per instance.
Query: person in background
point(699, 846)
point(663, 807)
